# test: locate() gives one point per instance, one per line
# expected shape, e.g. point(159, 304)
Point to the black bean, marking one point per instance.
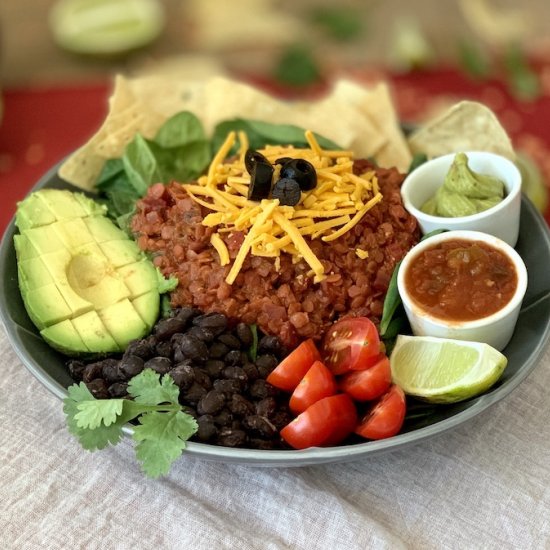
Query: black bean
point(92, 371)
point(216, 322)
point(214, 368)
point(281, 418)
point(130, 365)
point(194, 394)
point(202, 333)
point(259, 425)
point(228, 386)
point(183, 375)
point(144, 348)
point(111, 371)
point(235, 373)
point(233, 358)
point(230, 340)
point(267, 362)
point(270, 344)
point(240, 406)
point(223, 418)
point(163, 349)
point(260, 389)
point(179, 357)
point(193, 348)
point(236, 424)
point(185, 314)
point(76, 369)
point(118, 389)
point(266, 407)
point(244, 334)
point(231, 438)
point(162, 365)
point(212, 403)
point(207, 429)
point(202, 378)
point(98, 388)
point(217, 350)
point(251, 371)
point(166, 328)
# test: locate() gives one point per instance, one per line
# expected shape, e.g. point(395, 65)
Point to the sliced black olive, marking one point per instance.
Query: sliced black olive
point(287, 191)
point(301, 171)
point(283, 160)
point(251, 157)
point(260, 181)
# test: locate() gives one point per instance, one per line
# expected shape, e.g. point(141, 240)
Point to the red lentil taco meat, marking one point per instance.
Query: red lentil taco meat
point(285, 301)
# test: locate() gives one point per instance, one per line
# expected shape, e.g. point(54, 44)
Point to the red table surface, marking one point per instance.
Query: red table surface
point(40, 126)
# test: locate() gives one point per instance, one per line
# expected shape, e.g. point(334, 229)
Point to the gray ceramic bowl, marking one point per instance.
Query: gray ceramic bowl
point(422, 422)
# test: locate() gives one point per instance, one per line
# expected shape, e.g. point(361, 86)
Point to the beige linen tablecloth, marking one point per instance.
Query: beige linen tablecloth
point(484, 485)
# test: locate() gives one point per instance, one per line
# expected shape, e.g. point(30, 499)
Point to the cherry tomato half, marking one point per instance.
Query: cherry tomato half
point(327, 422)
point(386, 417)
point(317, 383)
point(367, 384)
point(288, 373)
point(350, 344)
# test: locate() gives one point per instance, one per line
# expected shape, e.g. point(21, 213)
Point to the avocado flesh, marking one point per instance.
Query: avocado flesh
point(85, 285)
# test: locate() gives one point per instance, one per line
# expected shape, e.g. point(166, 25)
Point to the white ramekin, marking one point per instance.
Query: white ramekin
point(495, 329)
point(502, 220)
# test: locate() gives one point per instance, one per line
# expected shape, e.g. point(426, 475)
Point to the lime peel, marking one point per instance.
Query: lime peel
point(441, 370)
point(103, 27)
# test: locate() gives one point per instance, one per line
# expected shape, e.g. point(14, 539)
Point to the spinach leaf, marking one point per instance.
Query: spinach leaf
point(391, 302)
point(115, 189)
point(262, 133)
point(182, 163)
point(417, 160)
point(113, 168)
point(140, 164)
point(180, 129)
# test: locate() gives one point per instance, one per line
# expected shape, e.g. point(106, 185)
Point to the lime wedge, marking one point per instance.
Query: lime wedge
point(105, 27)
point(440, 370)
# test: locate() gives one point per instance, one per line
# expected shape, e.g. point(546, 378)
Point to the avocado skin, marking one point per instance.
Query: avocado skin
point(86, 286)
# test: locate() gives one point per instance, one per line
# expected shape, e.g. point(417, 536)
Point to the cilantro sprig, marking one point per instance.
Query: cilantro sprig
point(163, 427)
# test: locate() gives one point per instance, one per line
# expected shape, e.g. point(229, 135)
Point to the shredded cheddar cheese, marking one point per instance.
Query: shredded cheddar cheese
point(336, 205)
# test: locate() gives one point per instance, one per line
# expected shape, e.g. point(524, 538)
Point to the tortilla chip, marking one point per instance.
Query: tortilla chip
point(127, 116)
point(361, 120)
point(377, 105)
point(466, 126)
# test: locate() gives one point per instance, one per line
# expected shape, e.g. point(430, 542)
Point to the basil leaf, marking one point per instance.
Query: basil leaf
point(180, 129)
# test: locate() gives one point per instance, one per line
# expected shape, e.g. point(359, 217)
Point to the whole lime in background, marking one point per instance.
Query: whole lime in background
point(105, 27)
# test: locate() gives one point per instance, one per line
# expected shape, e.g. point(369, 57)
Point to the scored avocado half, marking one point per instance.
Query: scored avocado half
point(85, 284)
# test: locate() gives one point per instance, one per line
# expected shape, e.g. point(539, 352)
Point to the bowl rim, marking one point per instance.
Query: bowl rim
point(470, 235)
point(412, 179)
point(313, 455)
